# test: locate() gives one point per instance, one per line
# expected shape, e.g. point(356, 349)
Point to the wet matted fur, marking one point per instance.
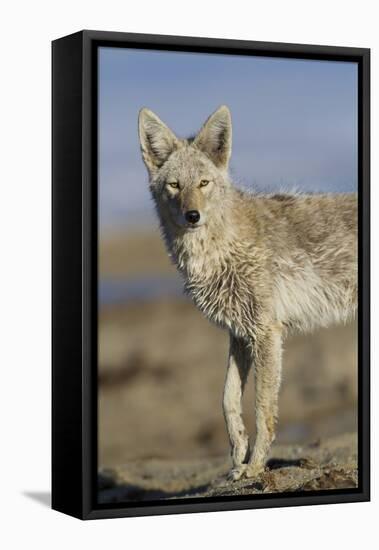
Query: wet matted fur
point(254, 264)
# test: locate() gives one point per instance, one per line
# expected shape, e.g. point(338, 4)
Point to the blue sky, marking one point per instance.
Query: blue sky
point(294, 121)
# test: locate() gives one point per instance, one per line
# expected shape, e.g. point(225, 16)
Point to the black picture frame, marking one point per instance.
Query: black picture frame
point(74, 272)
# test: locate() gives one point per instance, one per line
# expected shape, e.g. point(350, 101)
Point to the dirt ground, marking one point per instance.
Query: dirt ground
point(161, 374)
point(330, 464)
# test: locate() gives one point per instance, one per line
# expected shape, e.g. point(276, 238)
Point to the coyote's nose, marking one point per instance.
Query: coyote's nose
point(192, 216)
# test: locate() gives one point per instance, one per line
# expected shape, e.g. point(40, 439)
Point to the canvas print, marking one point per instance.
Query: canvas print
point(227, 267)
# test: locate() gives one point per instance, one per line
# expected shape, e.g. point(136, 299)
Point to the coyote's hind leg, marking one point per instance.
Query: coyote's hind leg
point(238, 369)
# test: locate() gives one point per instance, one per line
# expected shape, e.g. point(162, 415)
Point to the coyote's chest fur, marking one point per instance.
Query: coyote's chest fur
point(220, 280)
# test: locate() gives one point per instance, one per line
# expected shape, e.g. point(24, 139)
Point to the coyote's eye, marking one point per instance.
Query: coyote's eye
point(173, 184)
point(203, 183)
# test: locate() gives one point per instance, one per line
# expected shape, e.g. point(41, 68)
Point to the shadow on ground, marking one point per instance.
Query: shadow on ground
point(41, 497)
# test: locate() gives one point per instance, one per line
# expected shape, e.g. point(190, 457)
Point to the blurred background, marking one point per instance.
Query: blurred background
point(161, 364)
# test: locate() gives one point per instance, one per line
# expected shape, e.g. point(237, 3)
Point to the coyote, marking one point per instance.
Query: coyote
point(257, 265)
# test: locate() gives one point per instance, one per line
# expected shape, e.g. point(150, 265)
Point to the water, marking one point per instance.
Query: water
point(121, 291)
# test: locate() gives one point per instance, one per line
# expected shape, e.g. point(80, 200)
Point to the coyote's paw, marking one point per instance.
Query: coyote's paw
point(254, 470)
point(245, 471)
point(237, 472)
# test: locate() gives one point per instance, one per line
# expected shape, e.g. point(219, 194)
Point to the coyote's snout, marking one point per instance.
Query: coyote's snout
point(256, 265)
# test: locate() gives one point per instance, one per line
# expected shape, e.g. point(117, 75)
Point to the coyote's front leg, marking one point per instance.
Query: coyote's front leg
point(267, 358)
point(238, 369)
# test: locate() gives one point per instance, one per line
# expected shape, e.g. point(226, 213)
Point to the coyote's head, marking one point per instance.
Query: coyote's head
point(187, 177)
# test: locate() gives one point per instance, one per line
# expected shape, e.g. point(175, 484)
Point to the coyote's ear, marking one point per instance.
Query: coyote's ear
point(215, 137)
point(156, 139)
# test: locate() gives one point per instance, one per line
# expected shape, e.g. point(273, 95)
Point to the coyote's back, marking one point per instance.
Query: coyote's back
point(313, 245)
